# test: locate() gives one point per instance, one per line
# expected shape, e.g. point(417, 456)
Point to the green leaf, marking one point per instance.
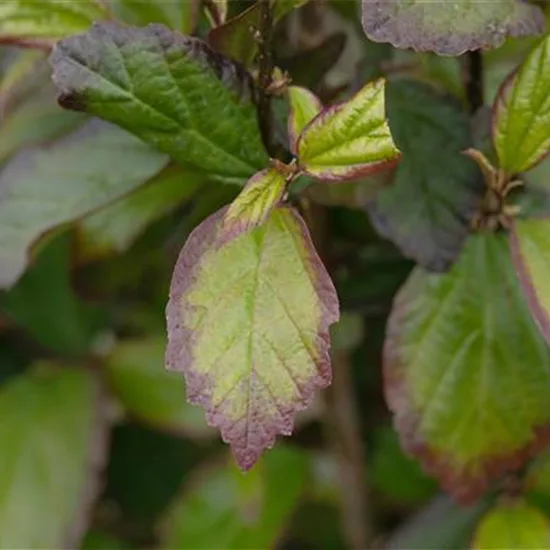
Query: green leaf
point(521, 119)
point(136, 375)
point(235, 38)
point(349, 140)
point(436, 189)
point(117, 226)
point(263, 192)
point(172, 91)
point(304, 107)
point(248, 326)
point(45, 21)
point(449, 28)
point(513, 525)
point(216, 11)
point(467, 372)
point(178, 15)
point(223, 509)
point(55, 318)
point(530, 246)
point(77, 174)
point(56, 436)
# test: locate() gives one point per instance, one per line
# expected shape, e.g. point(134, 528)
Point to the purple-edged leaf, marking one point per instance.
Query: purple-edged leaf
point(248, 326)
point(47, 187)
point(467, 373)
point(304, 107)
point(436, 189)
point(55, 427)
point(449, 27)
point(530, 245)
point(252, 207)
point(349, 140)
point(521, 116)
point(170, 90)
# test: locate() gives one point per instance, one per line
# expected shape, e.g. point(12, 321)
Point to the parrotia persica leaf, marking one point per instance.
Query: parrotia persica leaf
point(521, 123)
point(514, 525)
point(467, 373)
point(436, 189)
point(349, 140)
point(449, 28)
point(248, 326)
point(135, 374)
point(47, 490)
point(170, 90)
point(252, 207)
point(45, 21)
point(304, 107)
point(77, 174)
point(530, 246)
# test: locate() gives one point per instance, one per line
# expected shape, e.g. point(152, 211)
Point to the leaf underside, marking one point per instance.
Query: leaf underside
point(467, 373)
point(248, 326)
point(449, 28)
point(170, 90)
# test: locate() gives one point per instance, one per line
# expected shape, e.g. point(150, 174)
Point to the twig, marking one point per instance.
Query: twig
point(474, 80)
point(264, 37)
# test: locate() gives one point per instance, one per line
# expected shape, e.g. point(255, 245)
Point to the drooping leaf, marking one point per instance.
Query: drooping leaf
point(136, 375)
point(304, 107)
point(427, 208)
point(521, 124)
point(172, 91)
point(235, 38)
point(54, 427)
point(253, 206)
point(41, 189)
point(255, 508)
point(449, 28)
point(116, 227)
point(513, 525)
point(248, 326)
point(178, 15)
point(530, 246)
point(349, 140)
point(467, 373)
point(45, 21)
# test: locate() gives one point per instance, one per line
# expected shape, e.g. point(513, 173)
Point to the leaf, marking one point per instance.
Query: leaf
point(304, 107)
point(254, 509)
point(263, 192)
point(216, 11)
point(449, 28)
point(521, 117)
point(530, 245)
point(436, 189)
point(117, 226)
point(56, 433)
point(513, 525)
point(349, 140)
point(78, 174)
point(235, 37)
point(171, 91)
point(248, 326)
point(178, 15)
point(467, 374)
point(136, 375)
point(45, 21)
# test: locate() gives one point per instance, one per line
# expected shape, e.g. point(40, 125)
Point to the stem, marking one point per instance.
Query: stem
point(474, 80)
point(266, 65)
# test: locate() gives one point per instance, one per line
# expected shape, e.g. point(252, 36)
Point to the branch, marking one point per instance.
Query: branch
point(264, 37)
point(474, 80)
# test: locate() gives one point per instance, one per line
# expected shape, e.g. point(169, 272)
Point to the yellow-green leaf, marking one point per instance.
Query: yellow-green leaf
point(304, 107)
point(248, 326)
point(251, 208)
point(512, 526)
point(349, 140)
point(521, 125)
